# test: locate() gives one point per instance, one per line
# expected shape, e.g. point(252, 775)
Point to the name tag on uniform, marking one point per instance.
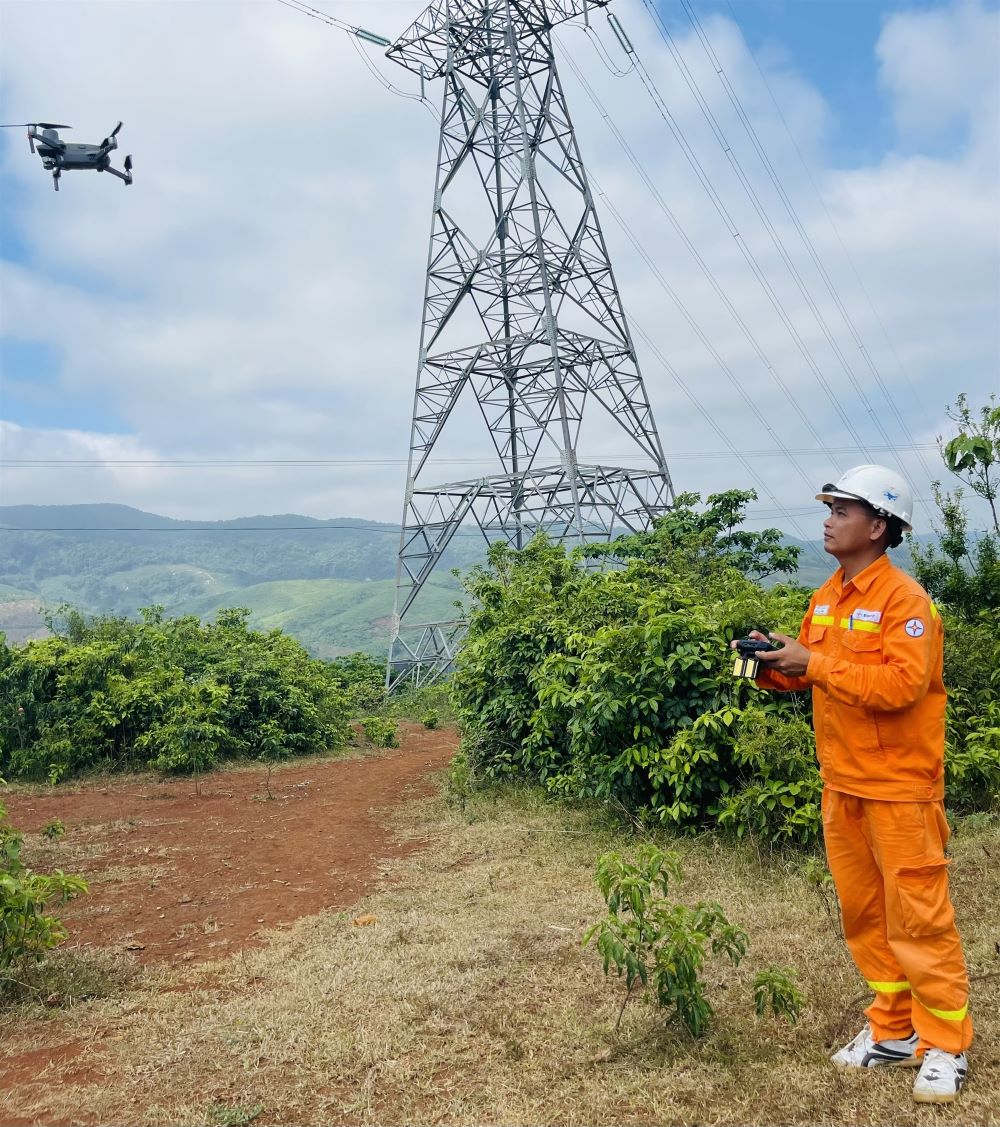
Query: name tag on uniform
point(824, 609)
point(867, 615)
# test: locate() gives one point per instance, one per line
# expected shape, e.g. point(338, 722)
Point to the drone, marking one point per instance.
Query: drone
point(59, 156)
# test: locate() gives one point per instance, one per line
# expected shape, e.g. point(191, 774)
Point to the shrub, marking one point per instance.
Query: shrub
point(650, 940)
point(774, 989)
point(777, 799)
point(664, 946)
point(381, 731)
point(169, 693)
point(617, 685)
point(26, 930)
point(361, 678)
point(972, 730)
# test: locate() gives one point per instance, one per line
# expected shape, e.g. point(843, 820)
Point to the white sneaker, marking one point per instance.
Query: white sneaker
point(940, 1078)
point(864, 1052)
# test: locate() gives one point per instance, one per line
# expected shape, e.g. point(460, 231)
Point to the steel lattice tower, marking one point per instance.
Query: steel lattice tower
point(523, 327)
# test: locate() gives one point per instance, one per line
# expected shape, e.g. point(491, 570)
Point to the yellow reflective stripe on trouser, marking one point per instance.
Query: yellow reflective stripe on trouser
point(890, 988)
point(867, 627)
point(948, 1015)
point(823, 620)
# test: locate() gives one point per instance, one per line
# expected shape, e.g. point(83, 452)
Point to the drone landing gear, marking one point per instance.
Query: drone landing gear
point(55, 178)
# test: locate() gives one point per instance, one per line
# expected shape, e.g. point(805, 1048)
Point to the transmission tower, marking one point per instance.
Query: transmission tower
point(524, 347)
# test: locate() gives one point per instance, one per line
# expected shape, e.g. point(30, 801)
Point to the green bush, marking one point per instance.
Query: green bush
point(778, 797)
point(618, 685)
point(972, 729)
point(26, 930)
point(381, 731)
point(172, 694)
point(962, 572)
point(361, 677)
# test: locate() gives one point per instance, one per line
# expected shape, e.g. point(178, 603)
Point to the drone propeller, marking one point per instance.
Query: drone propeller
point(35, 125)
point(109, 142)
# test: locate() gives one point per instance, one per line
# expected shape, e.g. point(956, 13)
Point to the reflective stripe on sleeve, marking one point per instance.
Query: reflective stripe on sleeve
point(890, 987)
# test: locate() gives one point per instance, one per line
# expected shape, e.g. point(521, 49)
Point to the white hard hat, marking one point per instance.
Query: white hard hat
point(882, 488)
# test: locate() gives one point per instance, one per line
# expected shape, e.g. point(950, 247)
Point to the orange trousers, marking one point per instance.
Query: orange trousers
point(889, 868)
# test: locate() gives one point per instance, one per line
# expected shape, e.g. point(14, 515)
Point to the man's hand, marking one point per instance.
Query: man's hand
point(792, 660)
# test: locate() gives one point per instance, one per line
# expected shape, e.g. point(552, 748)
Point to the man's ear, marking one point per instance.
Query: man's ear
point(878, 528)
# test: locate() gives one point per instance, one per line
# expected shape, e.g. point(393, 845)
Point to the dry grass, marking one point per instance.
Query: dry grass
point(471, 1001)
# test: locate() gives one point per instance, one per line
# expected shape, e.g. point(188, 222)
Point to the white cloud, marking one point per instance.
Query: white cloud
point(940, 69)
point(256, 293)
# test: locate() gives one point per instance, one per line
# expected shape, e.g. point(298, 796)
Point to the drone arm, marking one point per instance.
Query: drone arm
point(126, 175)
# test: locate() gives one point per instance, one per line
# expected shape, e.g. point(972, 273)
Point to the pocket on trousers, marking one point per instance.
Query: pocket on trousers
point(923, 898)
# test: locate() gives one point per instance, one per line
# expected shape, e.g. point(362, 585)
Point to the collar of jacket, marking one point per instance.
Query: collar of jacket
point(864, 579)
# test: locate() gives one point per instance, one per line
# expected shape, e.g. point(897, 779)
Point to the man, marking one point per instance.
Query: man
point(871, 650)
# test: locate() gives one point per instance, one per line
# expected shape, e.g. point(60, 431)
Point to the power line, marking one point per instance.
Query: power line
point(706, 269)
point(357, 33)
point(379, 77)
point(793, 214)
point(734, 382)
point(208, 528)
point(751, 259)
point(755, 514)
point(602, 51)
point(837, 234)
point(751, 472)
point(658, 101)
point(316, 14)
point(326, 463)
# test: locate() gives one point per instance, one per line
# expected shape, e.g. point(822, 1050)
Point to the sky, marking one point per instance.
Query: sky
point(237, 332)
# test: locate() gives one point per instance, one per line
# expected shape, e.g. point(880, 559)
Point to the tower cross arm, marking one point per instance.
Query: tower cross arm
point(447, 25)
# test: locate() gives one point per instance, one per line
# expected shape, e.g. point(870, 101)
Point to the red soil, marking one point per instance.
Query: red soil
point(181, 877)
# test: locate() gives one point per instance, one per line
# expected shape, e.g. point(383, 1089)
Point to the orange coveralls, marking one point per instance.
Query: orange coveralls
point(875, 668)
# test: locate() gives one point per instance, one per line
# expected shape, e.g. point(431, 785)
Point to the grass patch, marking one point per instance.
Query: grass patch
point(65, 978)
point(471, 1000)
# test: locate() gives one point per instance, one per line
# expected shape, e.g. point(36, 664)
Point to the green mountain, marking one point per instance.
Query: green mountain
point(329, 582)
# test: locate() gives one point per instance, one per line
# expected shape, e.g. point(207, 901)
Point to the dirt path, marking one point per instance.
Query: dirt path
point(179, 877)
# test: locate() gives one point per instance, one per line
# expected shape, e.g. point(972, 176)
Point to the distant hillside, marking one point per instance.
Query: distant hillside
point(328, 582)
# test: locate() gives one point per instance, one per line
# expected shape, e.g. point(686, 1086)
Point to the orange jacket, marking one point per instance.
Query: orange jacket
point(878, 698)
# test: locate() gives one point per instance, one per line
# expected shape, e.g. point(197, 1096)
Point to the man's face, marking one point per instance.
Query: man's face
point(850, 528)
